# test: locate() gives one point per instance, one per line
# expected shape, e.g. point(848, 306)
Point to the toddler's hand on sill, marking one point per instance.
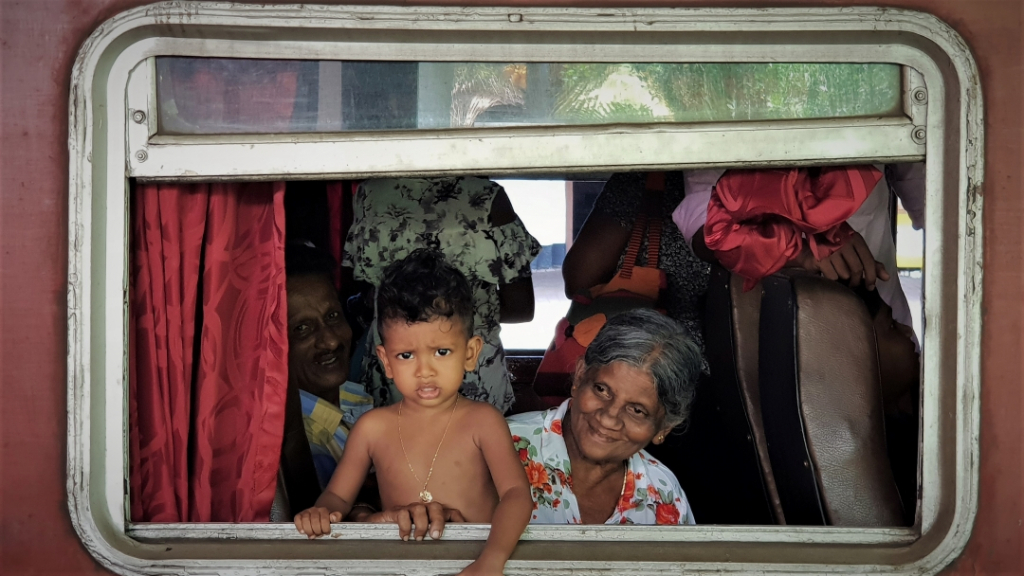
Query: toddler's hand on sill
point(418, 520)
point(316, 521)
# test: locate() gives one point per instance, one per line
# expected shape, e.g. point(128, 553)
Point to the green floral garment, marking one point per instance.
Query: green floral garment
point(394, 216)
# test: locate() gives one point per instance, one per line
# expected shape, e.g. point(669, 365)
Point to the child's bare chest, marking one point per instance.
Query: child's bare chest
point(452, 472)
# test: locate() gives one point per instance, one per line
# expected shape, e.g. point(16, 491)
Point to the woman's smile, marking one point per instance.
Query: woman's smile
point(601, 434)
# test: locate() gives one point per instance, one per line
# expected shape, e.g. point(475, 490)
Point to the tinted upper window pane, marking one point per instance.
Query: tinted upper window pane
point(220, 95)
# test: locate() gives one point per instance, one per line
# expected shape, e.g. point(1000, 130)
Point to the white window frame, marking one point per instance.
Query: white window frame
point(109, 142)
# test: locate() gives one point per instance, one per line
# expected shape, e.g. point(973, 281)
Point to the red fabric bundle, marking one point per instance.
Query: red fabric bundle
point(758, 220)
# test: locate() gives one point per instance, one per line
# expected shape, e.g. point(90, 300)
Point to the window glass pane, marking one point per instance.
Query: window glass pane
point(217, 95)
point(542, 206)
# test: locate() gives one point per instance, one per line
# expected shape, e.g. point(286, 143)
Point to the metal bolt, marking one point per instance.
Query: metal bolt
point(139, 116)
point(919, 135)
point(515, 17)
point(920, 96)
point(141, 156)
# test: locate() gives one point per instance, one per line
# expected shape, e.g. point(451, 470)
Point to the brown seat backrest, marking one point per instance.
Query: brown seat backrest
point(731, 329)
point(821, 404)
point(522, 368)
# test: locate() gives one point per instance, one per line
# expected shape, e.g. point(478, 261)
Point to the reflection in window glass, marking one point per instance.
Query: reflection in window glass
point(219, 95)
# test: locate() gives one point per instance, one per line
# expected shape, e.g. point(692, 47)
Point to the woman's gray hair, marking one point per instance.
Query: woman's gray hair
point(658, 345)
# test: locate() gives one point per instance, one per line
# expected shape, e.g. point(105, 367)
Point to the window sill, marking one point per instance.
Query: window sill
point(154, 532)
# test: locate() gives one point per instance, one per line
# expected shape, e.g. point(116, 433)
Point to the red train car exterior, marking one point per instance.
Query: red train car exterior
point(39, 41)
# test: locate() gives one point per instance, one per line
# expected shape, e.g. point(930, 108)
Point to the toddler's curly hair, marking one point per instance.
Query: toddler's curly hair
point(423, 286)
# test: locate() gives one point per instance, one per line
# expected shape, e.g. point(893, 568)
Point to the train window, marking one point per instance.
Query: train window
point(235, 96)
point(174, 93)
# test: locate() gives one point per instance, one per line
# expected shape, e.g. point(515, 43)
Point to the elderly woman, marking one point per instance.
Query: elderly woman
point(585, 459)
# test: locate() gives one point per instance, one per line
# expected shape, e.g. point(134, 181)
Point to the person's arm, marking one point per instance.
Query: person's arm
point(595, 253)
point(515, 298)
point(851, 263)
point(515, 503)
point(908, 181)
point(367, 501)
point(516, 301)
point(337, 500)
point(502, 211)
point(700, 248)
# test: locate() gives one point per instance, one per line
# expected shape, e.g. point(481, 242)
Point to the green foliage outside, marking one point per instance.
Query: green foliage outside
point(594, 93)
point(713, 92)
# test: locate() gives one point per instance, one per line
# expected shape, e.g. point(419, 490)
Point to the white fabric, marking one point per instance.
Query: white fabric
point(692, 212)
point(872, 222)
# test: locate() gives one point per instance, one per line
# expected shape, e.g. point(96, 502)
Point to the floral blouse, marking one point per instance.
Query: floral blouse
point(650, 493)
point(393, 217)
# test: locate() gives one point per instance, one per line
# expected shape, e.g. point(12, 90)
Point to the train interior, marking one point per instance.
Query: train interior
point(785, 433)
point(794, 422)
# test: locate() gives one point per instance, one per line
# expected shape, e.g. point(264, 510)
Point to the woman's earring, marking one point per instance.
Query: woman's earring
point(661, 439)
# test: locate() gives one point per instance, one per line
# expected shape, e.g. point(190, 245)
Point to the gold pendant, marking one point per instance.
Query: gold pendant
point(426, 497)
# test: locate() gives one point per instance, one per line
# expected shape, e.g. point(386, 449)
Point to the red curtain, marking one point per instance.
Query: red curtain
point(336, 224)
point(208, 351)
point(339, 220)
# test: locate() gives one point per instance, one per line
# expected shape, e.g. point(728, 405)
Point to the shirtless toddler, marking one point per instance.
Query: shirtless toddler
point(433, 445)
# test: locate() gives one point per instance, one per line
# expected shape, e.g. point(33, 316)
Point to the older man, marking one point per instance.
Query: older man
point(319, 350)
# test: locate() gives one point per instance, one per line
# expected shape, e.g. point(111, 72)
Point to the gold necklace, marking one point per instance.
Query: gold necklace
point(425, 496)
